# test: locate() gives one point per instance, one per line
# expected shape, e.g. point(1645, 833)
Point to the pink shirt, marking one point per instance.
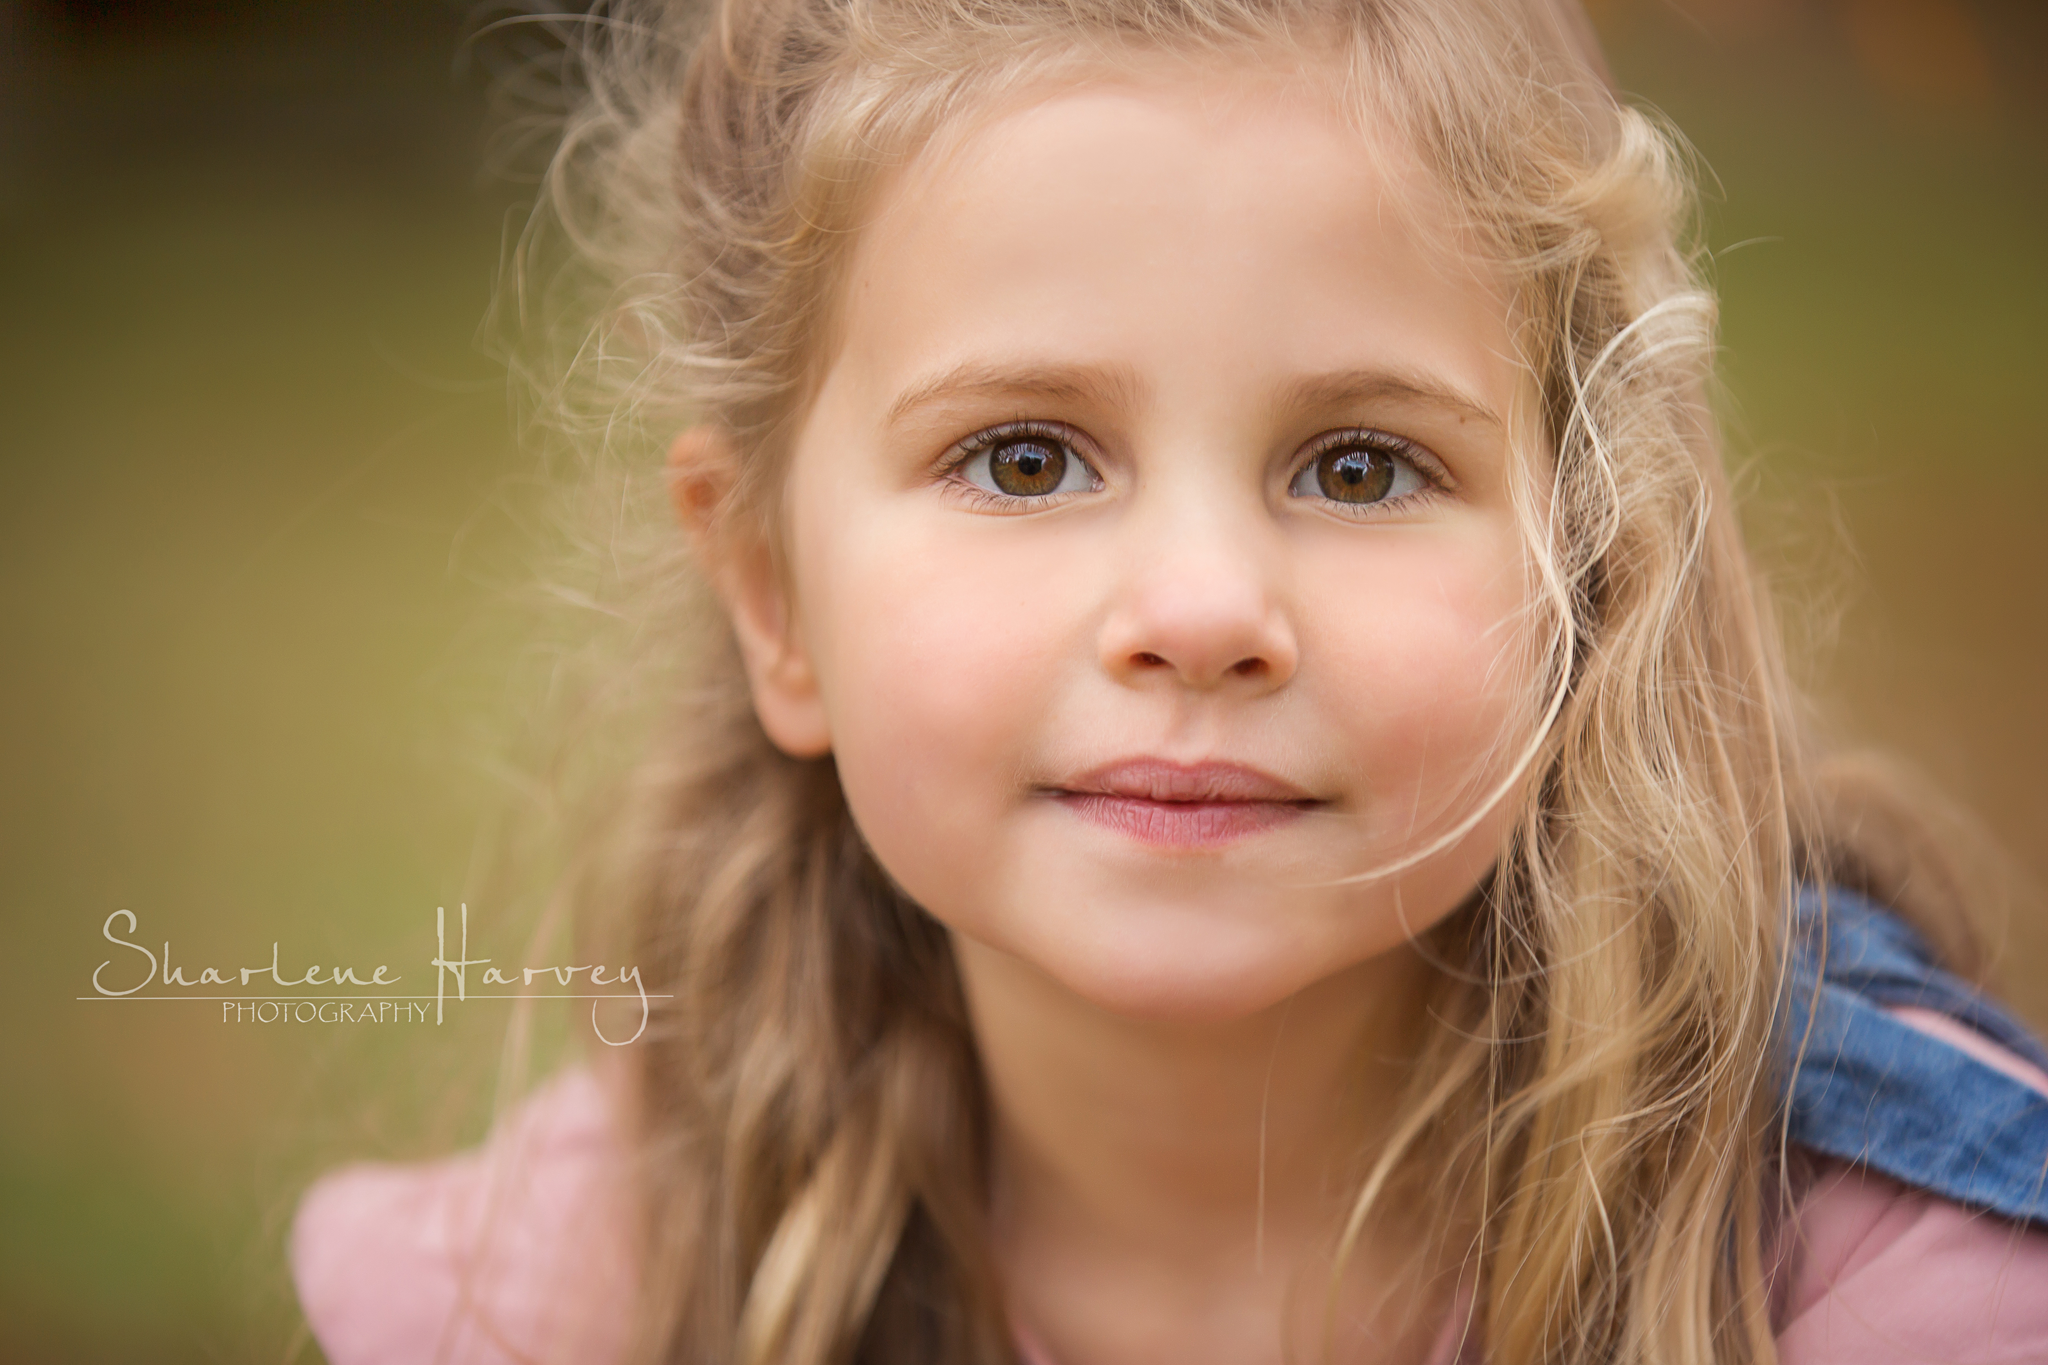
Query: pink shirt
point(521, 1252)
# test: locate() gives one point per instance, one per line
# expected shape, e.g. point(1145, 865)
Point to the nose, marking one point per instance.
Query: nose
point(1197, 606)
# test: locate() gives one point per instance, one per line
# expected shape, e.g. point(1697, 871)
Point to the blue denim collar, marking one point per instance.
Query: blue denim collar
point(1867, 1088)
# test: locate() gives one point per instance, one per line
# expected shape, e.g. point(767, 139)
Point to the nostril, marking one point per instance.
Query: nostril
point(1246, 668)
point(1151, 660)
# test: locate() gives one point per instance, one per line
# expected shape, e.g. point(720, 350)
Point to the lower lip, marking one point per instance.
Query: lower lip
point(1181, 824)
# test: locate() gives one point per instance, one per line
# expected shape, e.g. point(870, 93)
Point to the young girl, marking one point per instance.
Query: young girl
point(1241, 802)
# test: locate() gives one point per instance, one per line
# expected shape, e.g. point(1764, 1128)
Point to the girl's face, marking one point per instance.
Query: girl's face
point(1151, 551)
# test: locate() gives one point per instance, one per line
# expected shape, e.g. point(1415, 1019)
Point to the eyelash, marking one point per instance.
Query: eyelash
point(983, 442)
point(1435, 479)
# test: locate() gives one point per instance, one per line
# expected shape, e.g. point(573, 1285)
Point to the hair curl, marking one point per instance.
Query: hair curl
point(1598, 1096)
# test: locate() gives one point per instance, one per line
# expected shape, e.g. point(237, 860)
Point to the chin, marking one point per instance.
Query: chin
point(1177, 972)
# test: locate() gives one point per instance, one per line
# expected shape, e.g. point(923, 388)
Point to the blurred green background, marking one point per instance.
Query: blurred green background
point(263, 517)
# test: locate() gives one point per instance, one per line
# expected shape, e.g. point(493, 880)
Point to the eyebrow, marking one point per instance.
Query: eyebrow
point(1106, 385)
point(1365, 386)
point(1120, 386)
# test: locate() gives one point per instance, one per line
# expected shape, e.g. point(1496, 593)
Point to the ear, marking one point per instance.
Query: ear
point(703, 470)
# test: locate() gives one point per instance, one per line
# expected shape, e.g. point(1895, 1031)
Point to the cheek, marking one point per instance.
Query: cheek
point(1428, 681)
point(940, 668)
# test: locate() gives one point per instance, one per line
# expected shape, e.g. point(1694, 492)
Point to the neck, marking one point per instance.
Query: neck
point(1204, 1163)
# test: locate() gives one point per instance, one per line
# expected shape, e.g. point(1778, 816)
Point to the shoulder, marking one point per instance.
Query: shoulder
point(519, 1251)
point(1896, 1064)
point(1883, 1274)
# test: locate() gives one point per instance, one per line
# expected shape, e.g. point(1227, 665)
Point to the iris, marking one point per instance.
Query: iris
point(1353, 473)
point(1027, 468)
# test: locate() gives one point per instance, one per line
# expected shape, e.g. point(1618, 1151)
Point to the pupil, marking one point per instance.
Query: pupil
point(1027, 469)
point(1349, 474)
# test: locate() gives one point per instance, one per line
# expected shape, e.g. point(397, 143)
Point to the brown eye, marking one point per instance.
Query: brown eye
point(1354, 474)
point(1026, 462)
point(1027, 468)
point(1360, 470)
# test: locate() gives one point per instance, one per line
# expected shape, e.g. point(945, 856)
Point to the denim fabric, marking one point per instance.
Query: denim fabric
point(1868, 1088)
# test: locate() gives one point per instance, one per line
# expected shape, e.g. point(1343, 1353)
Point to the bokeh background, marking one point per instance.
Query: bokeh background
point(263, 519)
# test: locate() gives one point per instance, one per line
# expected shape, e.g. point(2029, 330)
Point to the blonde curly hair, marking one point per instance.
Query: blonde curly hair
point(1598, 1095)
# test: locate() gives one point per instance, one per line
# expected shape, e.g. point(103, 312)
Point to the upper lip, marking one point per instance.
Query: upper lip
point(1159, 779)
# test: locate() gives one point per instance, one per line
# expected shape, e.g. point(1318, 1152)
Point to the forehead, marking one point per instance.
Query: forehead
point(1175, 221)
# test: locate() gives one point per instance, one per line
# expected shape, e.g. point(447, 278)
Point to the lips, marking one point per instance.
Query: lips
point(1176, 805)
